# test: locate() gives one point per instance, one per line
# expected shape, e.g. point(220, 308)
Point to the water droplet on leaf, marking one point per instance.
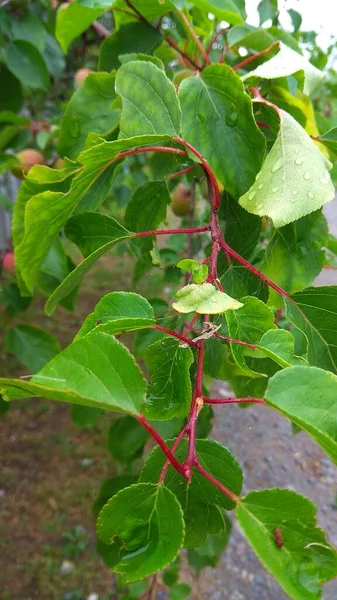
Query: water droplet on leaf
point(294, 192)
point(200, 118)
point(260, 186)
point(298, 161)
point(252, 195)
point(278, 165)
point(307, 176)
point(275, 189)
point(258, 175)
point(232, 118)
point(323, 180)
point(311, 195)
point(74, 127)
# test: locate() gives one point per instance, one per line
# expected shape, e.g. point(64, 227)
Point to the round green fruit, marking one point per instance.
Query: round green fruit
point(181, 199)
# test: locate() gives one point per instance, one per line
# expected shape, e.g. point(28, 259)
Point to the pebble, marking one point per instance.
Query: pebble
point(2, 493)
point(326, 462)
point(66, 567)
point(329, 480)
point(86, 462)
point(312, 480)
point(93, 597)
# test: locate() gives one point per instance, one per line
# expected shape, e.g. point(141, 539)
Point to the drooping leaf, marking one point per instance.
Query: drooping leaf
point(248, 324)
point(27, 64)
point(72, 19)
point(294, 179)
point(208, 555)
point(170, 390)
point(296, 18)
point(150, 102)
point(89, 110)
point(241, 229)
point(218, 120)
point(214, 458)
point(32, 346)
point(286, 62)
point(232, 11)
point(95, 235)
point(281, 527)
point(147, 521)
point(126, 439)
point(314, 312)
point(27, 26)
point(84, 416)
point(11, 97)
point(295, 255)
point(267, 9)
point(204, 299)
point(132, 37)
point(53, 57)
point(279, 345)
point(308, 396)
point(329, 139)
point(249, 37)
point(145, 211)
point(93, 371)
point(117, 312)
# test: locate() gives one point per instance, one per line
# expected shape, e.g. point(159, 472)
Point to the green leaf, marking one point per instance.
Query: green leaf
point(267, 9)
point(208, 555)
point(295, 255)
point(132, 37)
point(170, 389)
point(218, 120)
point(296, 18)
point(145, 211)
point(213, 457)
point(53, 57)
point(199, 271)
point(109, 488)
point(89, 110)
point(249, 37)
point(279, 345)
point(95, 234)
point(294, 179)
point(117, 312)
point(287, 62)
point(204, 299)
point(71, 20)
point(241, 229)
point(26, 26)
point(314, 311)
point(248, 324)
point(11, 97)
point(329, 139)
point(179, 591)
point(84, 416)
point(147, 520)
point(304, 560)
point(150, 102)
point(231, 11)
point(8, 161)
point(26, 63)
point(126, 439)
point(308, 396)
point(93, 371)
point(32, 346)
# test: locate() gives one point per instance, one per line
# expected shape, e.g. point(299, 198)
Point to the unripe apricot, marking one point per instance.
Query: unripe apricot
point(80, 76)
point(181, 198)
point(8, 263)
point(27, 159)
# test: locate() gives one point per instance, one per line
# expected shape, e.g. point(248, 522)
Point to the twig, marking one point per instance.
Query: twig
point(194, 37)
point(253, 57)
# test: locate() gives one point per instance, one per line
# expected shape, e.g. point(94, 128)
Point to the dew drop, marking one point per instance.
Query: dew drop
point(323, 180)
point(275, 189)
point(232, 118)
point(311, 195)
point(252, 195)
point(200, 118)
point(294, 192)
point(260, 186)
point(292, 200)
point(278, 165)
point(298, 161)
point(307, 176)
point(74, 127)
point(258, 175)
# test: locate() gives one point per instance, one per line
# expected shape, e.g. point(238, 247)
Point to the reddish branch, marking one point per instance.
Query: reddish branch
point(253, 57)
point(171, 231)
point(167, 451)
point(233, 400)
point(180, 337)
point(234, 341)
point(182, 172)
point(194, 37)
point(217, 484)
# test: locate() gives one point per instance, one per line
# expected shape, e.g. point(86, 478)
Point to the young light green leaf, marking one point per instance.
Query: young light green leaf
point(199, 271)
point(294, 179)
point(204, 299)
point(132, 37)
point(94, 371)
point(91, 232)
point(89, 110)
point(287, 62)
point(147, 521)
point(145, 211)
point(329, 139)
point(150, 102)
point(32, 346)
point(117, 312)
point(295, 255)
point(281, 527)
point(248, 324)
point(279, 344)
point(26, 63)
point(308, 396)
point(170, 388)
point(314, 311)
point(213, 457)
point(218, 120)
point(72, 19)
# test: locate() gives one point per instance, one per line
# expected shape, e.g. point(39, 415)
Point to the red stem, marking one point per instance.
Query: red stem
point(171, 231)
point(191, 323)
point(182, 338)
point(217, 484)
point(233, 400)
point(260, 124)
point(214, 39)
point(182, 172)
point(234, 341)
point(250, 59)
point(194, 37)
point(173, 449)
point(165, 149)
point(167, 451)
point(213, 273)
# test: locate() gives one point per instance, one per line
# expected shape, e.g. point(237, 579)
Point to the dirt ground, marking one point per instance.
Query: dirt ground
point(51, 471)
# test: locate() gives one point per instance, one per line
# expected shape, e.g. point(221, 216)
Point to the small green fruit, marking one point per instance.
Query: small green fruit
point(181, 198)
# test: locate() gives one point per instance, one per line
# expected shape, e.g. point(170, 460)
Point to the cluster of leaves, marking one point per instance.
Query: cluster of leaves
point(173, 97)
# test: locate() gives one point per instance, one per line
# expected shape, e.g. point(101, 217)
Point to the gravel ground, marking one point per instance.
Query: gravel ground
point(270, 456)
